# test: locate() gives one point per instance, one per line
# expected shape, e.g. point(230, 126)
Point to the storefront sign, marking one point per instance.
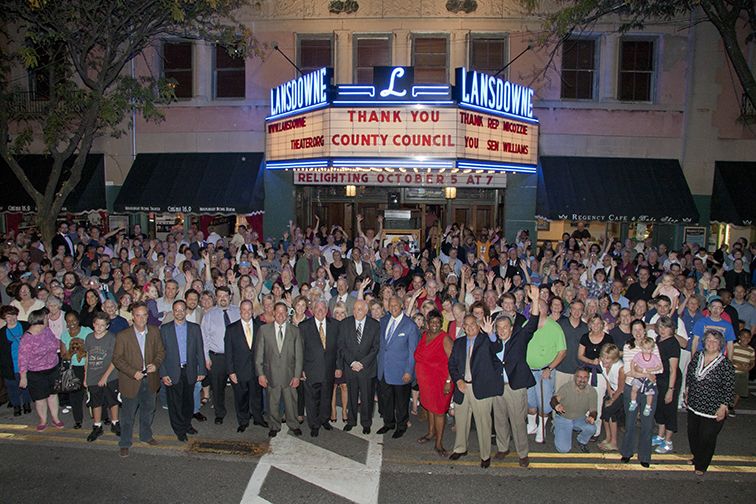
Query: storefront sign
point(303, 93)
point(401, 179)
point(623, 218)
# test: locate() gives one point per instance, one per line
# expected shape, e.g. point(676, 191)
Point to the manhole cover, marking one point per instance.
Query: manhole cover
point(230, 448)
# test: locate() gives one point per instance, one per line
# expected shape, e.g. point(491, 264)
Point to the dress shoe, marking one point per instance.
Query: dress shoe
point(385, 429)
point(314, 432)
point(398, 433)
point(218, 420)
point(182, 438)
point(123, 452)
point(27, 408)
point(241, 428)
point(191, 430)
point(152, 442)
point(77, 425)
point(348, 427)
point(485, 464)
point(625, 460)
point(272, 433)
point(524, 462)
point(366, 430)
point(457, 455)
point(297, 431)
point(327, 426)
point(500, 455)
point(645, 464)
point(199, 417)
point(262, 423)
point(17, 411)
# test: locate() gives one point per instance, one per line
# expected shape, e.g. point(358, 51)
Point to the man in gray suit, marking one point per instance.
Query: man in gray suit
point(342, 294)
point(278, 362)
point(183, 366)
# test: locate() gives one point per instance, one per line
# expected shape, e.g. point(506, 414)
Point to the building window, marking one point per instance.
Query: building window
point(229, 75)
point(369, 52)
point(488, 54)
point(314, 52)
point(578, 69)
point(636, 75)
point(177, 65)
point(430, 57)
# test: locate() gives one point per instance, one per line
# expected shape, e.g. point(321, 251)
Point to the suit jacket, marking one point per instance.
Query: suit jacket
point(484, 363)
point(59, 240)
point(515, 352)
point(397, 356)
point(365, 352)
point(351, 272)
point(279, 367)
point(349, 304)
point(195, 353)
point(319, 363)
point(240, 358)
point(127, 358)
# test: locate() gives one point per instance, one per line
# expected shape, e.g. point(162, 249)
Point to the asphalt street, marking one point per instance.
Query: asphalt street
point(223, 466)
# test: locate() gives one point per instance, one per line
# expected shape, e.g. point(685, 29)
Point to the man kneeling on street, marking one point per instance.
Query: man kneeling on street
point(575, 408)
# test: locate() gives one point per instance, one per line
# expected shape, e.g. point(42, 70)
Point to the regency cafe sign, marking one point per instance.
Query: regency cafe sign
point(394, 131)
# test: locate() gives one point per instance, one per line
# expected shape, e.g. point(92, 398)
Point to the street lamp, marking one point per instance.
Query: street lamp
point(450, 192)
point(351, 191)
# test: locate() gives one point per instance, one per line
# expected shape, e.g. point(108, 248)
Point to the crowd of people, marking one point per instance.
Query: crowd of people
point(597, 336)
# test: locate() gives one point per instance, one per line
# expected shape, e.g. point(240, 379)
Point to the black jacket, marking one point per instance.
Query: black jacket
point(319, 364)
point(6, 358)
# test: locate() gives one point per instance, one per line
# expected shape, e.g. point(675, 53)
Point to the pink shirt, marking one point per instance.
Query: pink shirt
point(38, 352)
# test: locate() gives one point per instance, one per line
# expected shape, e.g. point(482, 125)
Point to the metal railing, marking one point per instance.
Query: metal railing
point(26, 103)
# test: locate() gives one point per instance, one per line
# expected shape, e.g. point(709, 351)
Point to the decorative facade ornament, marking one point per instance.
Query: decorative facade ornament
point(457, 6)
point(345, 6)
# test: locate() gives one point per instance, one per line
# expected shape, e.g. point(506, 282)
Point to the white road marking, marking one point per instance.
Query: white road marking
point(319, 466)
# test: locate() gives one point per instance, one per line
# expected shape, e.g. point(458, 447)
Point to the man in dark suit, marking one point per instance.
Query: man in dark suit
point(319, 340)
point(240, 343)
point(138, 355)
point(359, 338)
point(396, 367)
point(511, 407)
point(476, 370)
point(62, 238)
point(184, 365)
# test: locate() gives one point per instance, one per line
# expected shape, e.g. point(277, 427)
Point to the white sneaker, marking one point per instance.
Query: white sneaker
point(532, 424)
point(540, 437)
point(66, 409)
point(665, 447)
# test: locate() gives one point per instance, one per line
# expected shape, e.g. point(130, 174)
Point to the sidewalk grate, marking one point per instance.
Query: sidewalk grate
point(220, 447)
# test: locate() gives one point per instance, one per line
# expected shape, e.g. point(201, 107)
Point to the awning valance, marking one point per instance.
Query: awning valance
point(613, 189)
point(733, 198)
point(87, 196)
point(199, 183)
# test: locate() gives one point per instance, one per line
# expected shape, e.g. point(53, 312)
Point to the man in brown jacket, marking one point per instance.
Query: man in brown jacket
point(137, 355)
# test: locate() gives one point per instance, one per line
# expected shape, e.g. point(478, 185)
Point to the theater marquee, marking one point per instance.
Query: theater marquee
point(483, 125)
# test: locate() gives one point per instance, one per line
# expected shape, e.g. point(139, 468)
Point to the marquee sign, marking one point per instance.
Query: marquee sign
point(402, 179)
point(484, 123)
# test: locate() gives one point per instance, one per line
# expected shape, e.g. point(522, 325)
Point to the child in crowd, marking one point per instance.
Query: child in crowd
point(743, 358)
point(667, 288)
point(646, 362)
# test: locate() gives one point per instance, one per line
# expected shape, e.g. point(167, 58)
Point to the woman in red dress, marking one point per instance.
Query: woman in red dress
point(432, 371)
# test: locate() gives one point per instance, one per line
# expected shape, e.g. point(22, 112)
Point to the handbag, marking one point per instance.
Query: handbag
point(67, 381)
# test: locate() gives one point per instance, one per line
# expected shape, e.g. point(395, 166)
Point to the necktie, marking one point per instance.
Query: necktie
point(322, 335)
point(390, 332)
point(226, 318)
point(247, 334)
point(468, 371)
point(280, 338)
point(359, 332)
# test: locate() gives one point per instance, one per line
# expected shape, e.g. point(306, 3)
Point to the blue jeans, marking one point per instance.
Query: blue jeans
point(563, 428)
point(197, 397)
point(144, 402)
point(534, 392)
point(646, 426)
point(17, 396)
